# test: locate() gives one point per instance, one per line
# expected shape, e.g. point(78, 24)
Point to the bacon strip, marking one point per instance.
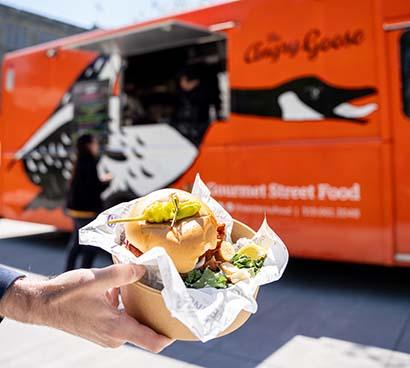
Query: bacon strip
point(210, 260)
point(221, 234)
point(135, 251)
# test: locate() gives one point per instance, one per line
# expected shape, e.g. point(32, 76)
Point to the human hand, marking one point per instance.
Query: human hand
point(84, 303)
point(188, 85)
point(106, 177)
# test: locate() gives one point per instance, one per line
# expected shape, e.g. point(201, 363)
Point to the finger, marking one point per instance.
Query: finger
point(140, 335)
point(118, 275)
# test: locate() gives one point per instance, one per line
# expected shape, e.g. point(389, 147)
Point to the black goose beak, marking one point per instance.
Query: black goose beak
point(343, 109)
point(346, 95)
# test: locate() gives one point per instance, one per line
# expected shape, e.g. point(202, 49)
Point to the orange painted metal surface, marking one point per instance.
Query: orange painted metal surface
point(400, 149)
point(333, 188)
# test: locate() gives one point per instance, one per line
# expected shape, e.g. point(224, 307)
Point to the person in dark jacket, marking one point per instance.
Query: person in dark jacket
point(84, 199)
point(198, 91)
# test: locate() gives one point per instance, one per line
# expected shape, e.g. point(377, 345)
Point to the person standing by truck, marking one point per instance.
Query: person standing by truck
point(84, 199)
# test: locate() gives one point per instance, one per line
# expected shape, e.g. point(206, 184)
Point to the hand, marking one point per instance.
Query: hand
point(188, 85)
point(83, 303)
point(106, 177)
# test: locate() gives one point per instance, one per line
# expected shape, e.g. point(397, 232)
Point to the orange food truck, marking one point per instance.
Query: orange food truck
point(307, 119)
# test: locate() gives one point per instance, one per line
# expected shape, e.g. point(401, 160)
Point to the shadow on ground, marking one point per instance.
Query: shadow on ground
point(364, 304)
point(42, 253)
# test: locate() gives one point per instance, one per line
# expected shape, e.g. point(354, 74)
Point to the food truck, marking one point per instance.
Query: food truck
point(310, 128)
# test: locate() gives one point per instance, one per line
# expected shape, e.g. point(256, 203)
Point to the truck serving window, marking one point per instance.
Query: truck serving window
point(171, 73)
point(177, 86)
point(405, 70)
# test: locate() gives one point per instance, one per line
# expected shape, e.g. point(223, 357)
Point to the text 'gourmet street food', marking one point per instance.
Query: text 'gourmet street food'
point(189, 232)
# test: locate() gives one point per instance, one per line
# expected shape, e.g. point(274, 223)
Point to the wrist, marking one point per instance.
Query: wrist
point(22, 300)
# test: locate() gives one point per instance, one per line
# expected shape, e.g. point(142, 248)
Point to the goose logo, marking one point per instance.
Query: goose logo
point(142, 158)
point(304, 99)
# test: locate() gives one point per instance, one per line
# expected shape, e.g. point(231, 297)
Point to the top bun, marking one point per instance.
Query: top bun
point(188, 240)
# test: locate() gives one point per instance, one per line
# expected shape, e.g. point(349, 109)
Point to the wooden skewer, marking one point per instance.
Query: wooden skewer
point(125, 219)
point(176, 205)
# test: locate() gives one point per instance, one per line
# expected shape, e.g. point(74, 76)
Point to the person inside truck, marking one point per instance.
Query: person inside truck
point(133, 110)
point(198, 92)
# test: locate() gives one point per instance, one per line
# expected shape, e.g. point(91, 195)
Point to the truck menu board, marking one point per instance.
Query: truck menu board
point(90, 100)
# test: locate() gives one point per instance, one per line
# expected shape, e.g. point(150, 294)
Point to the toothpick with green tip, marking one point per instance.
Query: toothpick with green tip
point(160, 212)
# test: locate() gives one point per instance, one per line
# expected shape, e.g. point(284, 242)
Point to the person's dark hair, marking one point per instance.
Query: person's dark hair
point(83, 144)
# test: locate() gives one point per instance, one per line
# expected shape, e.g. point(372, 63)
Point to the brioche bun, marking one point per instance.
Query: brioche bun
point(188, 240)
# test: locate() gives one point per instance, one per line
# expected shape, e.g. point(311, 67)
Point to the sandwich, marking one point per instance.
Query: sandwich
point(190, 234)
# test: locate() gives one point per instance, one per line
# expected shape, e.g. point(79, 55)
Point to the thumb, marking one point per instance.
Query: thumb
point(118, 275)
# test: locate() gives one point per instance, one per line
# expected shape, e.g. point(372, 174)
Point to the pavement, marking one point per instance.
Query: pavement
point(320, 314)
point(26, 346)
point(11, 228)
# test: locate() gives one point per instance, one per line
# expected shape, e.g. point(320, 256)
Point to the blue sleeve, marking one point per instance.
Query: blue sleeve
point(7, 277)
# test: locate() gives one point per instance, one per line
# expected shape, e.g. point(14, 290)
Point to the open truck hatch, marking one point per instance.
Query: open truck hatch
point(150, 38)
point(168, 79)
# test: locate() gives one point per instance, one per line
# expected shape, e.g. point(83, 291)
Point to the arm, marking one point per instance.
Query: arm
point(105, 181)
point(7, 278)
point(95, 181)
point(83, 303)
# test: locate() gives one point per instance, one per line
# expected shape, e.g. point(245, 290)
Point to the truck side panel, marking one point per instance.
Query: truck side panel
point(314, 63)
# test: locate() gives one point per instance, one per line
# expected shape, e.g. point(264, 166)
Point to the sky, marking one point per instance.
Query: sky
point(105, 13)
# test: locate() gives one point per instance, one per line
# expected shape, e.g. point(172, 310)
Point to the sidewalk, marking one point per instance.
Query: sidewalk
point(12, 228)
point(307, 352)
point(24, 346)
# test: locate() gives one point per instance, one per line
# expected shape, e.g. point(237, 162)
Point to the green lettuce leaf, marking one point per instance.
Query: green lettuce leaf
point(198, 280)
point(242, 261)
point(193, 276)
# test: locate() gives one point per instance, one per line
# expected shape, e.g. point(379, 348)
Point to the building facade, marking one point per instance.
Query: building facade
point(19, 29)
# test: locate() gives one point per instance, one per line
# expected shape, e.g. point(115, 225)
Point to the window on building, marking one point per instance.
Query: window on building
point(9, 36)
point(44, 36)
point(16, 36)
point(21, 37)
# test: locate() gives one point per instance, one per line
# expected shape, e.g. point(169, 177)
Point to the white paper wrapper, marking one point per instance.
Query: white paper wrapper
point(206, 312)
